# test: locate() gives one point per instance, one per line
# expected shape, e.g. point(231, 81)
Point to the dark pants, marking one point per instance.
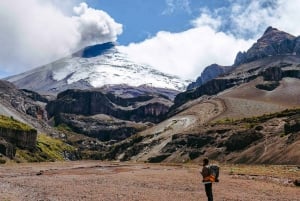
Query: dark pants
point(208, 190)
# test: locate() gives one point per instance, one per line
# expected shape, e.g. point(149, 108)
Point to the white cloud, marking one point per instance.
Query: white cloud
point(35, 32)
point(173, 5)
point(206, 19)
point(247, 18)
point(95, 26)
point(287, 17)
point(186, 54)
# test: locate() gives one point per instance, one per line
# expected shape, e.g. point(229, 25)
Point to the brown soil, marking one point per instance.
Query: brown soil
point(248, 101)
point(94, 180)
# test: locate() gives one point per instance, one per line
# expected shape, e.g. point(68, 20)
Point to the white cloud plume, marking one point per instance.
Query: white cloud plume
point(95, 26)
point(35, 32)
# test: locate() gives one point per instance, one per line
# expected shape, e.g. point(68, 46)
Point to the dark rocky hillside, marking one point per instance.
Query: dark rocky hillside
point(91, 102)
point(209, 73)
point(106, 116)
point(102, 127)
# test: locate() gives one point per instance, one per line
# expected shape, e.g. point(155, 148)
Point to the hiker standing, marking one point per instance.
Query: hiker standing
point(207, 179)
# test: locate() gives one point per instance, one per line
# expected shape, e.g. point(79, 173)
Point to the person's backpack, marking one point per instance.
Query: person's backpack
point(214, 173)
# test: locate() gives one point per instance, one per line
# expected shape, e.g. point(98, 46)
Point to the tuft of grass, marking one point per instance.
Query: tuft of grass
point(11, 123)
point(64, 127)
point(48, 149)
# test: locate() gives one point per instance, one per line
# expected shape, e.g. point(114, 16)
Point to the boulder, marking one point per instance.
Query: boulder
point(7, 148)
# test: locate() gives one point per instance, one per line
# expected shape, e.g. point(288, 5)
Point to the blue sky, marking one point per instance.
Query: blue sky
point(178, 37)
point(143, 19)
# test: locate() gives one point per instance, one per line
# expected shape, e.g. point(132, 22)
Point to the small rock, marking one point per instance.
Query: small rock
point(297, 182)
point(40, 173)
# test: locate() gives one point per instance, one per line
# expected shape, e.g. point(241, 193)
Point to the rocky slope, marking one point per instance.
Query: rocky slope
point(267, 139)
point(20, 104)
point(272, 70)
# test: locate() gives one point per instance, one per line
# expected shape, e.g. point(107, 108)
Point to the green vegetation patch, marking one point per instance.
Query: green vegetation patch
point(11, 123)
point(48, 149)
point(253, 121)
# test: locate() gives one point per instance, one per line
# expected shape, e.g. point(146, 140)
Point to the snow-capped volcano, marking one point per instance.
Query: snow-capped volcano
point(95, 66)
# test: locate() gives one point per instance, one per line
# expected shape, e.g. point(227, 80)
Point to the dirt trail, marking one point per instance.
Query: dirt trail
point(92, 180)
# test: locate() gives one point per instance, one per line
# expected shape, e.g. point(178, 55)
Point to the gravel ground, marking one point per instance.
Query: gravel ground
point(94, 180)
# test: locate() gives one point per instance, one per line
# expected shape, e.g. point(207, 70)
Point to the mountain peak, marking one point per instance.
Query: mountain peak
point(273, 35)
point(270, 29)
point(272, 43)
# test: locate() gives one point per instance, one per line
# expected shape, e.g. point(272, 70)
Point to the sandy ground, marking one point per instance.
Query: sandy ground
point(94, 180)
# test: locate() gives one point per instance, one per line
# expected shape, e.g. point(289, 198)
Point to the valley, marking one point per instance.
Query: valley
point(245, 113)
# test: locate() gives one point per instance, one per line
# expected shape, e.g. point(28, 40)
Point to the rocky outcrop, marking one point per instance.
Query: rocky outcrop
point(209, 73)
point(7, 148)
point(20, 138)
point(88, 102)
point(24, 102)
point(272, 74)
point(102, 127)
point(272, 43)
point(241, 140)
point(210, 88)
point(36, 96)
